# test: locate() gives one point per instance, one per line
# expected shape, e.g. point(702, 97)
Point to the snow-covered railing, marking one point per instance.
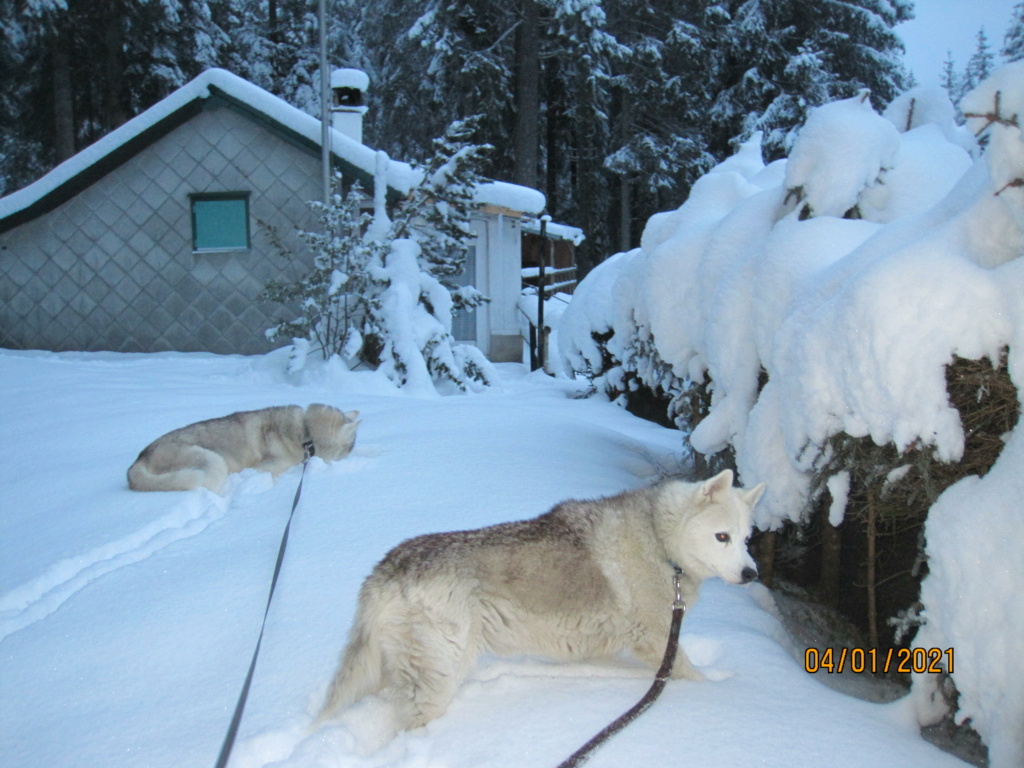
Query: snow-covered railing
point(531, 278)
point(528, 306)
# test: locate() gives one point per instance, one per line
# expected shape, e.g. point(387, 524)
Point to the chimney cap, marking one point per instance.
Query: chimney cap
point(350, 78)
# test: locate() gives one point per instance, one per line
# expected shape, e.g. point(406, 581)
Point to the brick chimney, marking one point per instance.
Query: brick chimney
point(349, 87)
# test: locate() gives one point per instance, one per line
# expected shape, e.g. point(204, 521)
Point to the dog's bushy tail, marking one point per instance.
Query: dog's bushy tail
point(361, 670)
point(142, 478)
point(187, 467)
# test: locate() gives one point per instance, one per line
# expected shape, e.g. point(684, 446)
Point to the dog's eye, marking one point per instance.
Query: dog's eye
point(725, 538)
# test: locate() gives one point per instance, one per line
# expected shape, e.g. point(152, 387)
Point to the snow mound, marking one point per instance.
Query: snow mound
point(841, 151)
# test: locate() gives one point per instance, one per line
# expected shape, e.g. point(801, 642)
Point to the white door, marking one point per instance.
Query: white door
point(464, 321)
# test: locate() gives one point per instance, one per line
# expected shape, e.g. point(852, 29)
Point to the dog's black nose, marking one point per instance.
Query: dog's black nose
point(748, 575)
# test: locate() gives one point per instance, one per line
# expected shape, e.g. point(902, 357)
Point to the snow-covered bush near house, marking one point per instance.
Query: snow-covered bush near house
point(600, 304)
point(809, 325)
point(381, 290)
point(416, 349)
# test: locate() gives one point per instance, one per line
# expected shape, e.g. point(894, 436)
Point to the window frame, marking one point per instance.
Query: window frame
point(204, 197)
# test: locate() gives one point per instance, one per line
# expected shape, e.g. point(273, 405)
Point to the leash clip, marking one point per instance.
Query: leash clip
point(676, 581)
point(309, 450)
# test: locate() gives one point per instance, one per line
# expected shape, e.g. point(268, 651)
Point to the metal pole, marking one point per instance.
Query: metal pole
point(325, 106)
point(542, 337)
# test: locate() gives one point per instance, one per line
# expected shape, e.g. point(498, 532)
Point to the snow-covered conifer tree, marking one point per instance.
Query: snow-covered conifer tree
point(440, 208)
point(979, 66)
point(432, 62)
point(376, 293)
point(781, 57)
point(952, 81)
point(331, 297)
point(75, 70)
point(1013, 42)
point(662, 70)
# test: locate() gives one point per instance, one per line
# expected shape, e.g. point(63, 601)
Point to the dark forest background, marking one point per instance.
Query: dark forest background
point(612, 109)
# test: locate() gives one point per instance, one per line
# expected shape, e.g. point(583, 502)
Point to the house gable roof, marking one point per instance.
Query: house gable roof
point(213, 87)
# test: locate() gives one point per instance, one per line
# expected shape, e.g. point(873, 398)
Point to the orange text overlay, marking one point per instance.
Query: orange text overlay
point(903, 660)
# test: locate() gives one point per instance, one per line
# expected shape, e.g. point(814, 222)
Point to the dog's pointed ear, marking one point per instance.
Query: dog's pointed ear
point(351, 415)
point(751, 497)
point(716, 486)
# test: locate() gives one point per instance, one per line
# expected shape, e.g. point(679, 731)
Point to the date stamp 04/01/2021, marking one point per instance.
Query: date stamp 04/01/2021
point(873, 661)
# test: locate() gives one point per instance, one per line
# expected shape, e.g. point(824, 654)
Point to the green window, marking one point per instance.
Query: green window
point(220, 222)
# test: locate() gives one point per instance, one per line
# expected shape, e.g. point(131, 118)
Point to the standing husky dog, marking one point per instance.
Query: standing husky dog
point(270, 440)
point(587, 579)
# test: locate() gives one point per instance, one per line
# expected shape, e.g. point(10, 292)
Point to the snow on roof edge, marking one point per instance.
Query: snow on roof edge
point(401, 176)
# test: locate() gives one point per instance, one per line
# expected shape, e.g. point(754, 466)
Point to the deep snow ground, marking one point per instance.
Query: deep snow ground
point(127, 620)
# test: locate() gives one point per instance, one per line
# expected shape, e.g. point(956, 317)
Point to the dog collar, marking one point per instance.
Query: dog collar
point(309, 448)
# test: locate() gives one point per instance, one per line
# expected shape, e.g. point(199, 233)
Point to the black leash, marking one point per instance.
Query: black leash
point(582, 754)
point(236, 719)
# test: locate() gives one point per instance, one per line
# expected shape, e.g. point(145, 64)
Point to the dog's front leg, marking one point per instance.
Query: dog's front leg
point(649, 647)
point(683, 669)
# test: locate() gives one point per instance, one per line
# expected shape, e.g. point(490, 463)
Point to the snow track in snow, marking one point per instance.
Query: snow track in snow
point(40, 597)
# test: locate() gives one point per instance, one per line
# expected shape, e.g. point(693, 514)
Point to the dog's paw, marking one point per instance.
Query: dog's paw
point(372, 723)
point(703, 651)
point(717, 674)
point(327, 747)
point(686, 671)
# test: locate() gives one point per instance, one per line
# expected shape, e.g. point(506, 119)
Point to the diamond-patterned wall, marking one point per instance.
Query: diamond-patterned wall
point(113, 268)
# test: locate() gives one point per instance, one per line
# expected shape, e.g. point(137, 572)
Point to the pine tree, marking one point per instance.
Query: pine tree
point(276, 46)
point(77, 69)
point(578, 35)
point(1013, 42)
point(435, 61)
point(332, 296)
point(380, 290)
point(22, 150)
point(438, 211)
point(979, 66)
point(658, 145)
point(778, 58)
point(952, 81)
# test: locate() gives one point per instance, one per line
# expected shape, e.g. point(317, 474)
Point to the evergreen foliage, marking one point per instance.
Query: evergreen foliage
point(332, 297)
point(981, 63)
point(381, 289)
point(1013, 42)
point(611, 109)
point(441, 207)
point(781, 57)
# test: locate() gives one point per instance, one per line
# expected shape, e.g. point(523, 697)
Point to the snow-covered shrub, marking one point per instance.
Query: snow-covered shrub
point(971, 596)
point(331, 296)
point(380, 291)
point(823, 176)
point(829, 300)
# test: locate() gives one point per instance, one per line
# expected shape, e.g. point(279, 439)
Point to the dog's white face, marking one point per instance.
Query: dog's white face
point(333, 432)
point(711, 539)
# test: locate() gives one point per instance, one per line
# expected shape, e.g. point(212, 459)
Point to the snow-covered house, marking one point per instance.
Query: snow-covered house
point(156, 237)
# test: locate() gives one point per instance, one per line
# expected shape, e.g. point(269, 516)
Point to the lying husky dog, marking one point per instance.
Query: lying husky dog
point(587, 579)
point(270, 440)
